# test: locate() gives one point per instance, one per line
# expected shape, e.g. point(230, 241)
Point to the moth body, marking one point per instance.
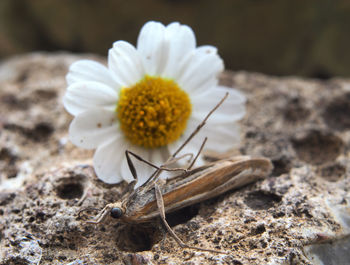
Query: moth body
point(192, 187)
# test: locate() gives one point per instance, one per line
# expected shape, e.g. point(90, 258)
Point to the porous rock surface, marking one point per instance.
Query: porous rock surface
point(302, 125)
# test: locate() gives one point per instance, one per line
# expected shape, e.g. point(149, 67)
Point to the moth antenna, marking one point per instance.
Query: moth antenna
point(175, 159)
point(152, 179)
point(200, 125)
point(163, 167)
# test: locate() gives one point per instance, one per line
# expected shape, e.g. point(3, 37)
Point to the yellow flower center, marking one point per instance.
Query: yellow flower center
point(153, 112)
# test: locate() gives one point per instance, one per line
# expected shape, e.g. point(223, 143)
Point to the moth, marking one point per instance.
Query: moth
point(156, 196)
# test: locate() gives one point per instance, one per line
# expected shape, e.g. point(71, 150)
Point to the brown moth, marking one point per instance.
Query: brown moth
point(156, 197)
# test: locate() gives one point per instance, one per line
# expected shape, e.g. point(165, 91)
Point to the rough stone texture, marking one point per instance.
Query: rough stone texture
point(279, 37)
point(289, 218)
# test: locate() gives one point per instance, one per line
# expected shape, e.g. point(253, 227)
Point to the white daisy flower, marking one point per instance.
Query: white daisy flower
point(148, 100)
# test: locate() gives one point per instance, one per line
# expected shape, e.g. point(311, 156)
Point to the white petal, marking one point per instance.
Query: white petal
point(199, 70)
point(152, 47)
point(93, 127)
point(236, 95)
point(125, 170)
point(82, 96)
point(220, 138)
point(232, 109)
point(143, 170)
point(155, 156)
point(181, 40)
point(223, 138)
point(182, 162)
point(138, 165)
point(191, 147)
point(159, 156)
point(125, 63)
point(88, 70)
point(108, 159)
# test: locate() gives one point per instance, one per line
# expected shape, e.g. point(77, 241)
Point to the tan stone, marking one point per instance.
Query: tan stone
point(301, 124)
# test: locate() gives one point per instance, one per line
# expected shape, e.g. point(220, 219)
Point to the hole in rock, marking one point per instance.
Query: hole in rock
point(70, 191)
point(258, 230)
point(136, 238)
point(41, 94)
point(281, 166)
point(332, 172)
point(11, 172)
point(336, 114)
point(7, 156)
point(295, 111)
point(40, 132)
point(8, 163)
point(183, 215)
point(261, 200)
point(317, 147)
point(13, 102)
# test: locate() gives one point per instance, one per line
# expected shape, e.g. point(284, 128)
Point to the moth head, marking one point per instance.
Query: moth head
point(117, 211)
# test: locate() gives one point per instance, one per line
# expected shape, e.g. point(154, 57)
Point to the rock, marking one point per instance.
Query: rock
point(24, 251)
point(292, 217)
point(336, 252)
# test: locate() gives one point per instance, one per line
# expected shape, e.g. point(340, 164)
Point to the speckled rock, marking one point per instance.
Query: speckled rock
point(294, 216)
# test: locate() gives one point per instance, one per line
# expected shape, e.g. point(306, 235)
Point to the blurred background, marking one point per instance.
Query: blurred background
point(292, 37)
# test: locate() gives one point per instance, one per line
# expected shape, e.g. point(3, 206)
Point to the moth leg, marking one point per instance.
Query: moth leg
point(87, 191)
point(152, 178)
point(101, 216)
point(175, 159)
point(189, 138)
point(160, 204)
point(86, 209)
point(133, 170)
point(82, 199)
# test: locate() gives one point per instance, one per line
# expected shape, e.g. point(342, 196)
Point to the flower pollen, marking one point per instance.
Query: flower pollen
point(153, 112)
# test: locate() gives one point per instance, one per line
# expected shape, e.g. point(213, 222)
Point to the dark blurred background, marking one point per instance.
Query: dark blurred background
point(280, 37)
